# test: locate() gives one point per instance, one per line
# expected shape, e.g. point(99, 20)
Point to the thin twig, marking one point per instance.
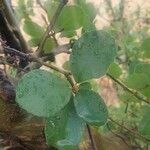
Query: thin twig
point(33, 58)
point(134, 133)
point(91, 137)
point(51, 25)
point(118, 135)
point(137, 94)
point(109, 4)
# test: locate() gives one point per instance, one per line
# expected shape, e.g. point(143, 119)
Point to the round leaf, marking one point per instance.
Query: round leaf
point(42, 93)
point(71, 18)
point(65, 130)
point(91, 55)
point(90, 106)
point(114, 70)
point(33, 29)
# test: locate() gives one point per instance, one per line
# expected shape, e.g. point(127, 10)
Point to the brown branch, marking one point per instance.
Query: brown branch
point(135, 93)
point(91, 137)
point(33, 58)
point(109, 4)
point(14, 24)
point(51, 25)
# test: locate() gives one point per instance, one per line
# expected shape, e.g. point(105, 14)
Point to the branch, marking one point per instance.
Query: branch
point(134, 133)
point(91, 137)
point(13, 23)
point(135, 93)
point(51, 25)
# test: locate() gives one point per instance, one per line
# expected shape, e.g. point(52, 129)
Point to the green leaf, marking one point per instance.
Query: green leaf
point(143, 68)
point(145, 46)
point(114, 70)
point(33, 42)
point(137, 81)
point(145, 91)
point(144, 126)
point(21, 9)
point(33, 29)
point(51, 7)
point(88, 8)
point(90, 106)
point(42, 93)
point(91, 55)
point(65, 130)
point(49, 45)
point(85, 85)
point(66, 65)
point(70, 19)
point(24, 9)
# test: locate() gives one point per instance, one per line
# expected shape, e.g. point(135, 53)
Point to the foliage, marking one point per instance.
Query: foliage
point(68, 100)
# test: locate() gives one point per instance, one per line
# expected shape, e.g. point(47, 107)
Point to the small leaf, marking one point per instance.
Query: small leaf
point(137, 81)
point(51, 7)
point(144, 126)
point(85, 85)
point(145, 46)
point(49, 45)
point(88, 8)
point(33, 29)
point(65, 130)
point(33, 42)
point(91, 55)
point(66, 65)
point(42, 93)
point(114, 70)
point(143, 68)
point(70, 19)
point(90, 106)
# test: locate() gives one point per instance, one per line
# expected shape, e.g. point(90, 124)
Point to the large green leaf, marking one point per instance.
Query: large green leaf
point(91, 55)
point(65, 130)
point(144, 126)
point(42, 93)
point(90, 106)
